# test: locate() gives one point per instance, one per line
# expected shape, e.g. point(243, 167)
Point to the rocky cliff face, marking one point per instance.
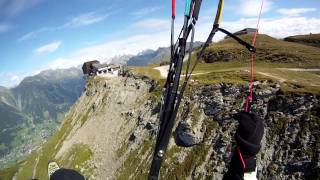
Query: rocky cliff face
point(110, 132)
point(108, 104)
point(203, 138)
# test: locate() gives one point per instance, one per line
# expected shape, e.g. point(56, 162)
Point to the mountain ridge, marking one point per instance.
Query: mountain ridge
point(149, 56)
point(308, 39)
point(34, 107)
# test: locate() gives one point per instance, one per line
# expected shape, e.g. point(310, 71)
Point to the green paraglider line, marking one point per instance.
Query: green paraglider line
point(187, 8)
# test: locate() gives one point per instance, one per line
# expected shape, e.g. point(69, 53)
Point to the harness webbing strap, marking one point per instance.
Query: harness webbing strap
point(251, 61)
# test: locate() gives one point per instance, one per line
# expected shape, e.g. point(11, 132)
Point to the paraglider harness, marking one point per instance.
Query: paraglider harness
point(172, 94)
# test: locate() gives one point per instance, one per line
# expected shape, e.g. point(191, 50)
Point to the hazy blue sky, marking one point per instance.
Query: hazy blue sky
point(43, 34)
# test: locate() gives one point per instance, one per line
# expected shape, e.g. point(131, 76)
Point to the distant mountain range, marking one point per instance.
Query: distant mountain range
point(120, 59)
point(37, 99)
point(149, 56)
point(46, 95)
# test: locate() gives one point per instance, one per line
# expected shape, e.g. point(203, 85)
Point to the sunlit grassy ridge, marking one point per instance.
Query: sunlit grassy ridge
point(147, 71)
point(270, 50)
point(308, 39)
point(273, 58)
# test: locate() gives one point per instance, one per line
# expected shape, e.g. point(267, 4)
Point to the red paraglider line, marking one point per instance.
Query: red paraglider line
point(252, 58)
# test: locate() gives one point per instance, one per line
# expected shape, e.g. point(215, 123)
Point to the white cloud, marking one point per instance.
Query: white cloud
point(4, 27)
point(33, 34)
point(129, 45)
point(152, 24)
point(278, 27)
point(145, 11)
point(85, 19)
point(78, 21)
point(63, 63)
point(11, 79)
point(48, 48)
point(105, 51)
point(29, 35)
point(15, 7)
point(295, 11)
point(15, 78)
point(252, 7)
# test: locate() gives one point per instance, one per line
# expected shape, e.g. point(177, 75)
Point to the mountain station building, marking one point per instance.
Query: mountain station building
point(95, 68)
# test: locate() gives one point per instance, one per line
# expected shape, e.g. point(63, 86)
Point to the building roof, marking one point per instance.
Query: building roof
point(243, 31)
point(246, 30)
point(98, 66)
point(114, 66)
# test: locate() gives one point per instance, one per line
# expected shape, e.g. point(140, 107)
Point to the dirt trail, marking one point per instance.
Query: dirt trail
point(300, 69)
point(196, 74)
point(35, 166)
point(163, 70)
point(281, 80)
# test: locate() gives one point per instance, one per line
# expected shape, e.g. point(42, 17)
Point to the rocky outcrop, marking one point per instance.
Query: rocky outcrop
point(188, 136)
point(219, 55)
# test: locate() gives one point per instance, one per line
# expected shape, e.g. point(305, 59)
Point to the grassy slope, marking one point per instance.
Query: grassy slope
point(308, 39)
point(48, 152)
point(8, 173)
point(147, 70)
point(272, 54)
point(271, 50)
